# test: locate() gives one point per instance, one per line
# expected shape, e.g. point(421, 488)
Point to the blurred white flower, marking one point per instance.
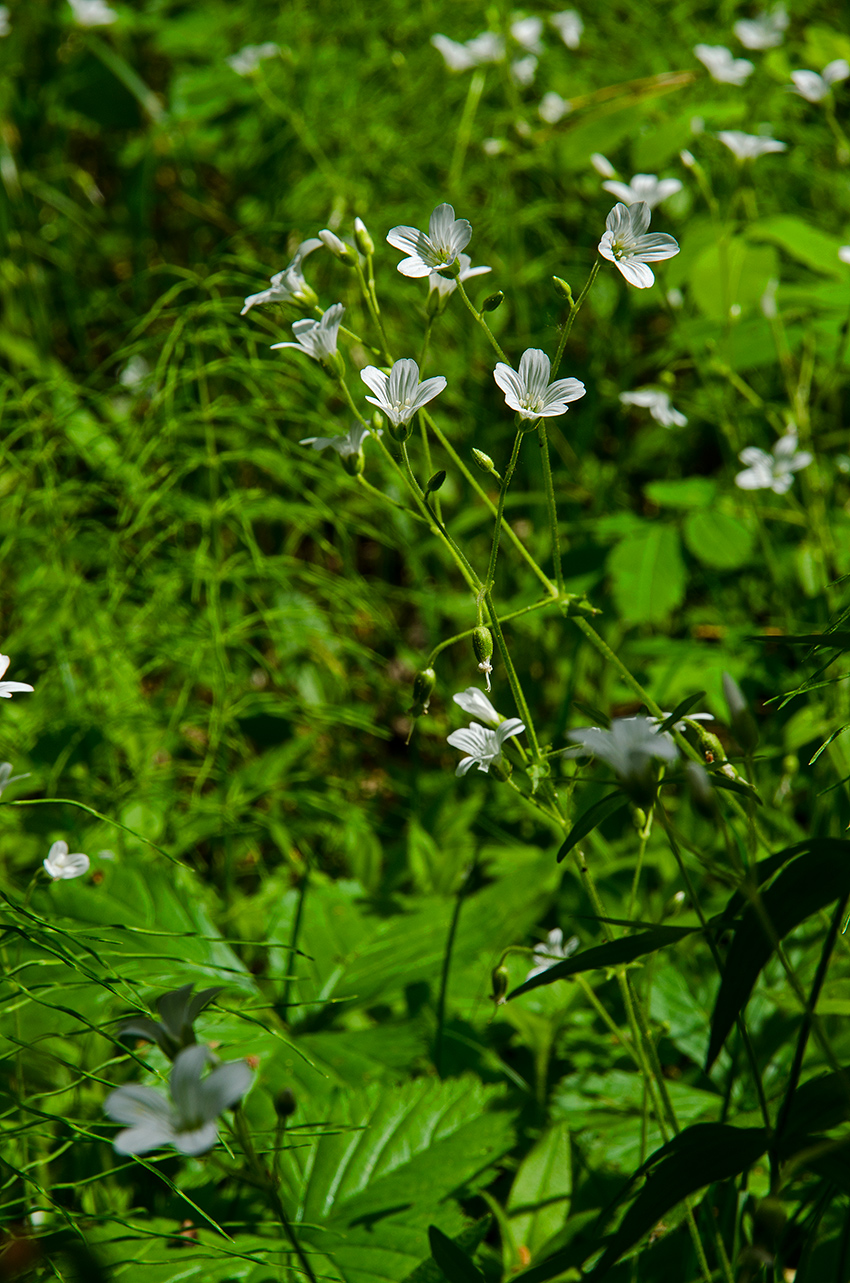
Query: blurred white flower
point(60, 864)
point(288, 285)
point(483, 746)
point(659, 405)
point(675, 298)
point(627, 245)
point(92, 13)
point(8, 689)
point(749, 146)
point(527, 32)
point(764, 32)
point(529, 391)
point(569, 27)
point(553, 108)
point(455, 55)
point(5, 25)
point(602, 165)
point(773, 471)
point(400, 394)
point(553, 949)
point(629, 747)
point(136, 373)
point(447, 236)
point(476, 704)
point(493, 146)
point(645, 187)
point(445, 285)
point(345, 444)
point(488, 47)
point(524, 69)
point(249, 58)
point(188, 1123)
point(814, 87)
point(844, 253)
point(317, 338)
point(7, 778)
point(722, 65)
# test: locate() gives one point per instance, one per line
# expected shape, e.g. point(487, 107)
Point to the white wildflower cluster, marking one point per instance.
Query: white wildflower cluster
point(526, 36)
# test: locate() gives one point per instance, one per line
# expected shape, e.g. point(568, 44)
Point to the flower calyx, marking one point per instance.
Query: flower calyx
point(482, 645)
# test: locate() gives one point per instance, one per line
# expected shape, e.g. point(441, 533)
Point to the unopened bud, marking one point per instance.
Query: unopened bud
point(492, 301)
point(399, 431)
point(285, 1103)
point(354, 463)
point(435, 482)
point(562, 287)
point(482, 645)
point(362, 239)
point(687, 158)
point(338, 248)
point(377, 421)
point(423, 686)
point(743, 723)
point(485, 463)
point(499, 980)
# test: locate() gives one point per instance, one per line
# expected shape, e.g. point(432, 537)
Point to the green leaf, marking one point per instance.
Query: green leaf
point(648, 575)
point(589, 819)
point(718, 540)
point(573, 1244)
point(817, 1106)
point(452, 1260)
point(801, 241)
point(616, 953)
point(688, 492)
point(732, 273)
point(469, 1239)
point(681, 710)
point(818, 876)
point(539, 1200)
point(838, 640)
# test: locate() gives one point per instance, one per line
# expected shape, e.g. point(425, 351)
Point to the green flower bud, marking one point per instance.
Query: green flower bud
point(423, 686)
point(335, 363)
point(377, 421)
point(338, 248)
point(354, 463)
point(744, 726)
point(499, 980)
point(285, 1103)
point(399, 431)
point(562, 288)
point(362, 239)
point(482, 645)
point(485, 463)
point(492, 301)
point(435, 482)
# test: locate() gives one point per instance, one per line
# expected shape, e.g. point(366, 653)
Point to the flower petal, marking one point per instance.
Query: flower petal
point(197, 1141)
point(137, 1105)
point(185, 1080)
point(403, 381)
point(640, 216)
point(427, 390)
point(656, 246)
point(636, 273)
point(223, 1087)
point(408, 239)
point(622, 191)
point(567, 389)
point(143, 1138)
point(376, 381)
point(534, 371)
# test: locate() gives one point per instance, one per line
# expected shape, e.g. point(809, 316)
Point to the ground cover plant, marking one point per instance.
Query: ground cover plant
point(426, 581)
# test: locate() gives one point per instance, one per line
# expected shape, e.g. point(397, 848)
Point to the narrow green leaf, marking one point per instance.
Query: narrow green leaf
point(817, 1106)
point(616, 953)
point(469, 1239)
point(840, 640)
point(681, 710)
point(589, 819)
point(452, 1260)
point(540, 1195)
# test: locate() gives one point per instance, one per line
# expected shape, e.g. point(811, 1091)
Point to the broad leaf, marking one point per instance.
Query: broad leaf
point(616, 953)
point(539, 1200)
point(648, 575)
point(452, 1260)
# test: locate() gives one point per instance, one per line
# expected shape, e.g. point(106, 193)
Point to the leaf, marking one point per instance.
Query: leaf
point(616, 953)
point(732, 273)
point(572, 1245)
point(820, 875)
point(648, 575)
point(801, 241)
point(839, 640)
point(589, 819)
point(452, 1260)
point(688, 492)
point(718, 540)
point(681, 710)
point(539, 1200)
point(469, 1240)
point(817, 1106)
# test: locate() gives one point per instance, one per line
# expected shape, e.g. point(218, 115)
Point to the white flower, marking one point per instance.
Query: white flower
point(569, 27)
point(60, 864)
point(288, 284)
point(447, 236)
point(722, 66)
point(628, 747)
point(658, 404)
point(602, 165)
point(92, 13)
point(553, 948)
point(400, 394)
point(189, 1121)
point(488, 47)
point(249, 58)
point(626, 244)
point(553, 108)
point(814, 87)
point(529, 391)
point(317, 338)
point(8, 689)
point(484, 747)
point(772, 471)
point(7, 778)
point(136, 373)
point(765, 31)
point(476, 704)
point(844, 253)
point(455, 55)
point(527, 32)
point(749, 146)
point(493, 146)
point(345, 444)
point(5, 25)
point(645, 187)
point(445, 285)
point(524, 69)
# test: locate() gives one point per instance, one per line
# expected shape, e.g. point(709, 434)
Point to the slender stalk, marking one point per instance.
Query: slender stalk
point(464, 129)
point(513, 679)
point(573, 313)
point(551, 504)
point(418, 493)
point(444, 974)
point(372, 305)
point(500, 510)
point(503, 619)
point(479, 316)
point(385, 498)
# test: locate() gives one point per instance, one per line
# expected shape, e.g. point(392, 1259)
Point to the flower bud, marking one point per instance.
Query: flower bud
point(562, 288)
point(362, 239)
point(743, 723)
point(485, 463)
point(423, 686)
point(354, 463)
point(338, 248)
point(435, 482)
point(377, 421)
point(482, 645)
point(499, 980)
point(492, 301)
point(285, 1103)
point(687, 158)
point(399, 431)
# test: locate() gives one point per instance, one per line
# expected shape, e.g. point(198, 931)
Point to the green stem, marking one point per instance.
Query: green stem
point(513, 680)
point(372, 305)
point(464, 130)
point(573, 313)
point(479, 316)
point(504, 619)
point(263, 1179)
point(500, 510)
point(417, 492)
point(408, 512)
point(551, 505)
point(444, 974)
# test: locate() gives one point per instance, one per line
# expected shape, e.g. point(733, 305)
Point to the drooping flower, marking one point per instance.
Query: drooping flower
point(317, 338)
point(178, 1010)
point(659, 405)
point(814, 87)
point(61, 865)
point(529, 392)
point(476, 704)
point(774, 471)
point(749, 146)
point(345, 444)
point(445, 285)
point(446, 237)
point(400, 394)
point(483, 746)
point(7, 778)
point(8, 689)
point(288, 285)
point(629, 748)
point(553, 108)
point(247, 60)
point(722, 65)
point(569, 27)
point(646, 187)
point(188, 1121)
point(626, 244)
point(553, 949)
point(92, 13)
point(764, 32)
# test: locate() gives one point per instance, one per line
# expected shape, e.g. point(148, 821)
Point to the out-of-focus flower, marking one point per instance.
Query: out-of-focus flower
point(527, 32)
point(5, 25)
point(178, 1010)
point(602, 165)
point(446, 237)
point(569, 27)
point(288, 285)
point(345, 444)
point(529, 391)
point(7, 778)
point(8, 689)
point(749, 146)
point(774, 471)
point(629, 747)
point(92, 13)
point(136, 373)
point(553, 949)
point(483, 746)
point(476, 704)
point(445, 285)
point(248, 59)
point(814, 87)
point(764, 32)
point(659, 405)
point(493, 146)
point(60, 864)
point(400, 394)
point(627, 245)
point(455, 55)
point(645, 187)
point(488, 47)
point(844, 253)
point(524, 69)
point(675, 298)
point(722, 66)
point(317, 338)
point(553, 108)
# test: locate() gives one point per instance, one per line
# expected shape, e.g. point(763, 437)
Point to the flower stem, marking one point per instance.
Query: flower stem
point(464, 130)
point(573, 313)
point(480, 319)
point(500, 510)
point(551, 505)
point(514, 614)
point(513, 680)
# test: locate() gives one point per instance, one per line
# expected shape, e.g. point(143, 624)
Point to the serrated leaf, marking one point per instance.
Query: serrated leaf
point(616, 953)
point(589, 819)
point(452, 1260)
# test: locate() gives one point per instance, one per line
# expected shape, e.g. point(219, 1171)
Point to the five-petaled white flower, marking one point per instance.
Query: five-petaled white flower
point(476, 704)
point(764, 32)
point(814, 87)
point(188, 1122)
point(345, 444)
point(529, 391)
point(659, 405)
point(8, 689)
point(400, 394)
point(483, 746)
point(447, 236)
point(7, 778)
point(628, 747)
point(553, 108)
point(553, 949)
point(646, 187)
point(248, 59)
point(92, 13)
point(61, 864)
point(626, 244)
point(317, 338)
point(749, 146)
point(288, 284)
point(569, 27)
point(722, 65)
point(445, 285)
point(773, 471)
